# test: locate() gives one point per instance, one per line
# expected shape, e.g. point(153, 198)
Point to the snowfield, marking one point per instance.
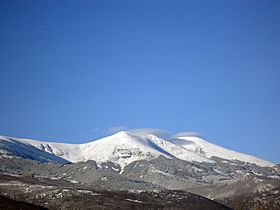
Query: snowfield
point(208, 150)
point(123, 148)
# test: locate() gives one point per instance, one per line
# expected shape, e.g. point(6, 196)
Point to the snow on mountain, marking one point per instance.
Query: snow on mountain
point(178, 151)
point(12, 147)
point(123, 148)
point(200, 146)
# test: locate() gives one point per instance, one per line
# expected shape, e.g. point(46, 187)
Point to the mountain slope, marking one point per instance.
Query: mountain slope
point(208, 150)
point(121, 148)
point(57, 195)
point(124, 148)
point(12, 147)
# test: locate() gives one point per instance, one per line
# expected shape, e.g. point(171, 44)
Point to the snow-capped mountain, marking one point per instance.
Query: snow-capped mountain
point(206, 149)
point(124, 148)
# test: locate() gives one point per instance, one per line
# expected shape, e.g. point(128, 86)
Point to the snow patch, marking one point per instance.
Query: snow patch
point(135, 201)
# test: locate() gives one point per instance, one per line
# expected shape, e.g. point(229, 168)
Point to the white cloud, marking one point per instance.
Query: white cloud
point(96, 130)
point(162, 133)
point(155, 131)
point(116, 129)
point(186, 134)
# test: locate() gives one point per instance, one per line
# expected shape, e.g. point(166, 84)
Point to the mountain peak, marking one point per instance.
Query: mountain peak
point(125, 147)
point(122, 134)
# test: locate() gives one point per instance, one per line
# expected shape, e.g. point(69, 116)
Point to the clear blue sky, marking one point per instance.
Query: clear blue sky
point(73, 71)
